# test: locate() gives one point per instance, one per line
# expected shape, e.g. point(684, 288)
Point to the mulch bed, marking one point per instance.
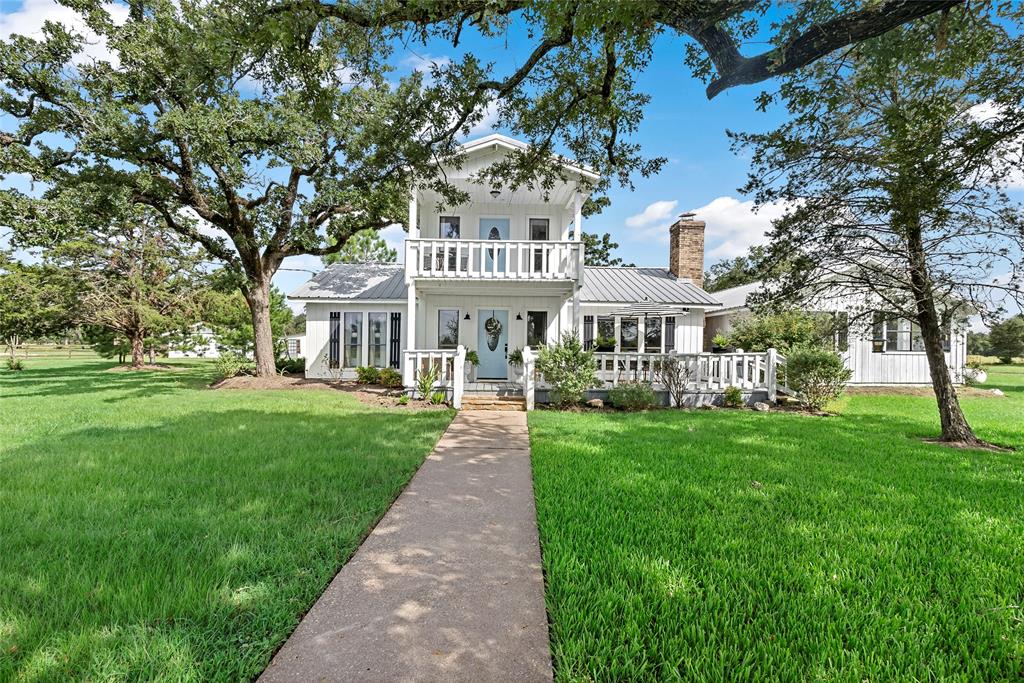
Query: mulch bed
point(371, 395)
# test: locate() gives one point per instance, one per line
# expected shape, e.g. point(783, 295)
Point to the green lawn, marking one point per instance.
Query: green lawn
point(743, 546)
point(151, 528)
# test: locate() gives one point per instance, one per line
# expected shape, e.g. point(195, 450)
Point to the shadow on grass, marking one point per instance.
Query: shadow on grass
point(189, 547)
point(93, 378)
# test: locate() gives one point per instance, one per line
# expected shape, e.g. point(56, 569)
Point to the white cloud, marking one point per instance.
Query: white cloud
point(657, 212)
point(29, 20)
point(989, 112)
point(486, 124)
point(733, 226)
point(424, 62)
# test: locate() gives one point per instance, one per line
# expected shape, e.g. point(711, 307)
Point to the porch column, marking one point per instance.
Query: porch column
point(577, 219)
point(576, 319)
point(414, 227)
point(409, 371)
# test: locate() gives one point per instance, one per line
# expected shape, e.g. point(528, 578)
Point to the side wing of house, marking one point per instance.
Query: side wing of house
point(878, 349)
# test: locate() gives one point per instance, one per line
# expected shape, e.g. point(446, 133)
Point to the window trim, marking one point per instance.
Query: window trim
point(458, 325)
point(544, 331)
point(440, 222)
point(879, 344)
point(384, 338)
point(345, 361)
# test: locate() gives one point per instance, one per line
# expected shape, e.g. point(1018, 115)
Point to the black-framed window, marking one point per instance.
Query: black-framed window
point(353, 340)
point(333, 346)
point(605, 333)
point(893, 333)
point(629, 334)
point(536, 328)
point(539, 230)
point(450, 227)
point(378, 335)
point(447, 328)
point(670, 333)
point(652, 335)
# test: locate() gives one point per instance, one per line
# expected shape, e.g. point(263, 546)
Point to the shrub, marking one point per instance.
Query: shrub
point(632, 396)
point(673, 373)
point(720, 341)
point(15, 364)
point(733, 397)
point(1006, 339)
point(425, 380)
point(290, 365)
point(403, 400)
point(817, 374)
point(390, 377)
point(367, 375)
point(437, 398)
point(568, 368)
point(785, 330)
point(230, 365)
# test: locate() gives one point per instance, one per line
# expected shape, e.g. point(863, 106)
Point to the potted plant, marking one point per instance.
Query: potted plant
point(604, 343)
point(720, 344)
point(472, 360)
point(515, 359)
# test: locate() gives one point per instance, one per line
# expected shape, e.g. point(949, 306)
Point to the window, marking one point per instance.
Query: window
point(892, 333)
point(539, 232)
point(605, 333)
point(334, 354)
point(652, 335)
point(353, 340)
point(378, 339)
point(450, 228)
point(447, 328)
point(628, 334)
point(670, 334)
point(536, 328)
point(294, 348)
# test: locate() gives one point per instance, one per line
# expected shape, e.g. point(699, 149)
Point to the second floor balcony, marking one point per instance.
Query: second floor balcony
point(519, 260)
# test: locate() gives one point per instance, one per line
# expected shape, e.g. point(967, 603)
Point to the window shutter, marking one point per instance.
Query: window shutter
point(334, 354)
point(588, 332)
point(670, 334)
point(396, 339)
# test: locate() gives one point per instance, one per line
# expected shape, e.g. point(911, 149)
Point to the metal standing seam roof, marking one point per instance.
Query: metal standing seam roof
point(614, 285)
point(356, 281)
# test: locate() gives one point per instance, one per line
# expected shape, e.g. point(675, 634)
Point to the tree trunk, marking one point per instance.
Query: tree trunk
point(138, 351)
point(955, 427)
point(257, 295)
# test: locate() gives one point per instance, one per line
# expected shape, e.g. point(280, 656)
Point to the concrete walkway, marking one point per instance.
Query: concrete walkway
point(448, 586)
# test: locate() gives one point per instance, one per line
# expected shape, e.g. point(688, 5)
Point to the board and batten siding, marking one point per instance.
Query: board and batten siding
point(430, 303)
point(900, 367)
point(318, 333)
point(689, 326)
point(519, 216)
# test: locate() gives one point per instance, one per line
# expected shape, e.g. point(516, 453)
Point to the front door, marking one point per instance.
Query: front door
point(494, 229)
point(492, 342)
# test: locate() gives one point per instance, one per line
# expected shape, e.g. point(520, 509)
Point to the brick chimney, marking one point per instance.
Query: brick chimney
point(686, 249)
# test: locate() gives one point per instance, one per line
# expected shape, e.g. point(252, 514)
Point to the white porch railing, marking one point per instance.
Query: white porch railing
point(448, 364)
point(493, 259)
point(708, 372)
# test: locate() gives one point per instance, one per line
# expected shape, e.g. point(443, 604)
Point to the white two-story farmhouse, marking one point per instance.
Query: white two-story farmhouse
point(504, 274)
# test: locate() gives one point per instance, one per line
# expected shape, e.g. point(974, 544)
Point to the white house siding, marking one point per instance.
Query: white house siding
point(318, 333)
point(689, 326)
point(900, 367)
point(519, 216)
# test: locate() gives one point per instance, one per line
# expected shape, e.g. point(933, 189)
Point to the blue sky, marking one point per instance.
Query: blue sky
point(702, 173)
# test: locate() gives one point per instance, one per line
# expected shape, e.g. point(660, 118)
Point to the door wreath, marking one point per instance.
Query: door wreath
point(493, 328)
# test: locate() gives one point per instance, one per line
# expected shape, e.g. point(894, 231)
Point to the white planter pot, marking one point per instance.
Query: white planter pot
point(470, 372)
point(976, 376)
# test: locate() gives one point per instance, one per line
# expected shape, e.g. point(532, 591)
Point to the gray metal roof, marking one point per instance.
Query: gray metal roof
point(356, 281)
point(627, 285)
point(386, 282)
point(736, 297)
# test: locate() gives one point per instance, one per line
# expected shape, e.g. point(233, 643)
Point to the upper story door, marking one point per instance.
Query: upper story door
point(494, 229)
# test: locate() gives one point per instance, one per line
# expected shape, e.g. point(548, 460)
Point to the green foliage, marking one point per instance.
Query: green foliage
point(783, 330)
point(1006, 339)
point(604, 343)
point(597, 251)
point(291, 366)
point(568, 368)
point(437, 398)
point(367, 375)
point(35, 301)
point(366, 246)
point(122, 473)
point(225, 310)
point(978, 344)
point(732, 397)
point(817, 374)
point(632, 396)
point(14, 364)
point(673, 373)
point(669, 505)
point(426, 378)
point(742, 270)
point(232, 364)
point(390, 377)
point(720, 341)
point(472, 357)
point(515, 358)
point(403, 400)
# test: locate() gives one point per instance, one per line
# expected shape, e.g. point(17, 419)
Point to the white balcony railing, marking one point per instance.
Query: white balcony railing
point(493, 259)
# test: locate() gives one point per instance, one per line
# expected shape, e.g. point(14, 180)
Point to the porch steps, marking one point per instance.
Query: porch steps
point(493, 402)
